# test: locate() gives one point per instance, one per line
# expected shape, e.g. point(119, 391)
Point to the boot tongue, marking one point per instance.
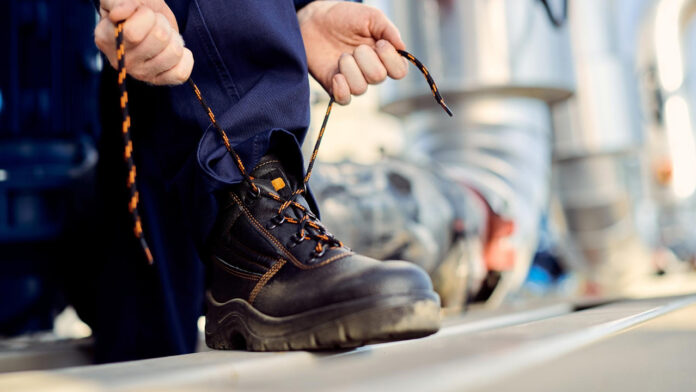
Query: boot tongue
point(271, 175)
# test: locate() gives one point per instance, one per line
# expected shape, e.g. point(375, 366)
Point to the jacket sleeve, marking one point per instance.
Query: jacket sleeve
point(301, 3)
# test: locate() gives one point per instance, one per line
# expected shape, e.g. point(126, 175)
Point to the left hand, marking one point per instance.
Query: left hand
point(349, 46)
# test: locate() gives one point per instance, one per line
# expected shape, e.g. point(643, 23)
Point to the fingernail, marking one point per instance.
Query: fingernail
point(381, 44)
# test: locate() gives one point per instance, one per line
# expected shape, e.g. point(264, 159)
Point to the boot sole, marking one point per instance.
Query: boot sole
point(339, 326)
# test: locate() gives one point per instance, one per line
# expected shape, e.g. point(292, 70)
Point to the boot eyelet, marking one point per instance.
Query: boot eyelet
point(254, 194)
point(316, 255)
point(276, 221)
point(252, 197)
point(294, 241)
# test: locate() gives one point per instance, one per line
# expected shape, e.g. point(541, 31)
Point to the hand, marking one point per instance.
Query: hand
point(155, 51)
point(349, 46)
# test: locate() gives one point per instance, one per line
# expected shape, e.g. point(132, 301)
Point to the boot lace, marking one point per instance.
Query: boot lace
point(308, 225)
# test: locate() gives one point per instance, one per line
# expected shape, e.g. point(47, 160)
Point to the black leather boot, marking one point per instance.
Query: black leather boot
point(280, 281)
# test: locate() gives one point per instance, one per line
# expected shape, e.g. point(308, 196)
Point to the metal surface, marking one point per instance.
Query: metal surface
point(464, 355)
point(624, 363)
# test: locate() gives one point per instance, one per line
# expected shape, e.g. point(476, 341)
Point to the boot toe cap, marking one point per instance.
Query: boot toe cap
point(358, 278)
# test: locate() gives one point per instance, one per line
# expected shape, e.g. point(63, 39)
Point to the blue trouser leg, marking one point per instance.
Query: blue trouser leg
point(250, 65)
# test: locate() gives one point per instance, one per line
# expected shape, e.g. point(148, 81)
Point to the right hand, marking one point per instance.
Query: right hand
point(155, 51)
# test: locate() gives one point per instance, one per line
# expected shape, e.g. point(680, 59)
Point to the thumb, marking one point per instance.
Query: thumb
point(382, 28)
point(119, 10)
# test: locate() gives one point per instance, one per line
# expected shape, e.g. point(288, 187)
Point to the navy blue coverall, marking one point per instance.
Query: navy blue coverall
point(250, 66)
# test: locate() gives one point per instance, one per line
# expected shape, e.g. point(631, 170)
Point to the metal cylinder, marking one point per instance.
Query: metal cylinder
point(668, 122)
point(506, 47)
point(498, 63)
point(596, 153)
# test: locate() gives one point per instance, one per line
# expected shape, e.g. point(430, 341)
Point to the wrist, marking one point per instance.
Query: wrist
point(300, 4)
point(305, 13)
point(308, 11)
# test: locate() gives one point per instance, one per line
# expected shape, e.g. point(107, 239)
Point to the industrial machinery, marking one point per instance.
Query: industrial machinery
point(500, 62)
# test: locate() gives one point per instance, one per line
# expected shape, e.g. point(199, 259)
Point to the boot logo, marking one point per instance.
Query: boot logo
point(278, 184)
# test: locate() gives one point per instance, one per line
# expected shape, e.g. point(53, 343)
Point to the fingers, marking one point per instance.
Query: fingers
point(348, 67)
point(155, 51)
point(104, 39)
point(340, 89)
point(158, 38)
point(164, 61)
point(366, 66)
point(179, 73)
point(138, 25)
point(118, 10)
point(394, 63)
point(392, 35)
point(370, 64)
point(382, 28)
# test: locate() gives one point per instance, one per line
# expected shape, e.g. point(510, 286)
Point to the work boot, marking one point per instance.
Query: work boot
point(280, 281)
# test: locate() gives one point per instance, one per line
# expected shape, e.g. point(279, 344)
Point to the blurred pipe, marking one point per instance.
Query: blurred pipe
point(661, 67)
point(669, 122)
point(596, 145)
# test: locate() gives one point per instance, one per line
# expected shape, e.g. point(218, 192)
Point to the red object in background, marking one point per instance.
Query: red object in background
point(498, 252)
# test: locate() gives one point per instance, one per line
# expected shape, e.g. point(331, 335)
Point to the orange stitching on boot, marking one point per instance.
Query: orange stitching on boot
point(264, 164)
point(337, 257)
point(265, 278)
point(267, 234)
point(282, 248)
point(239, 274)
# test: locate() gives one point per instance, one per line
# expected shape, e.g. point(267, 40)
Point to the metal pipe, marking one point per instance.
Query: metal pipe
point(668, 120)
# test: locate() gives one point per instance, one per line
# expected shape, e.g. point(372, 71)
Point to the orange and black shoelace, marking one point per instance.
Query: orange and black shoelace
point(128, 145)
point(307, 219)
